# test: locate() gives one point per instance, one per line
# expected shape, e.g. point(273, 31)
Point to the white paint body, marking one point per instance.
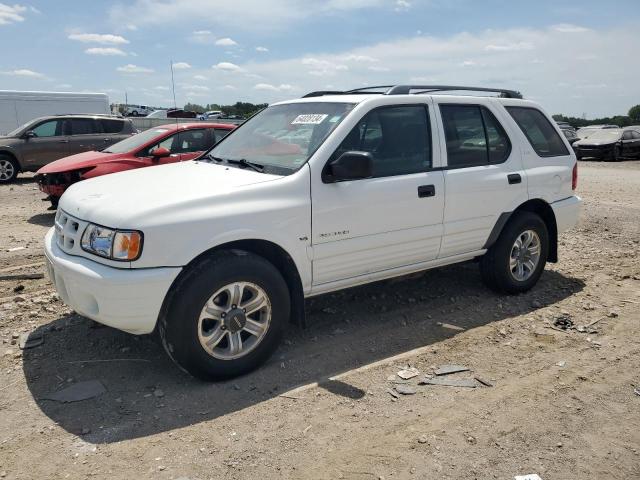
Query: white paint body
point(18, 108)
point(337, 234)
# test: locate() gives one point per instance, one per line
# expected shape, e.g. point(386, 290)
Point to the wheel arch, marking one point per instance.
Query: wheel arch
point(11, 154)
point(542, 209)
point(268, 250)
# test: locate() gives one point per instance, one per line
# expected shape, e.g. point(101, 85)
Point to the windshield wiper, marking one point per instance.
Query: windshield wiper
point(245, 163)
point(213, 157)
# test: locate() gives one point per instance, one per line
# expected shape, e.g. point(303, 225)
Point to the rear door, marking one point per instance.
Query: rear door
point(50, 143)
point(112, 131)
point(483, 176)
point(85, 135)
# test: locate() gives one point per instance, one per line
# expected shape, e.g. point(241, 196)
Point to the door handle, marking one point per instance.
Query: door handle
point(106, 139)
point(426, 191)
point(514, 178)
point(63, 141)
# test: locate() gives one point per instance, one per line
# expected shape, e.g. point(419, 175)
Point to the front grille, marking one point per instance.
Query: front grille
point(68, 232)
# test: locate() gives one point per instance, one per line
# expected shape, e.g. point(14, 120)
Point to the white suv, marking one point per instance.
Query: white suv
point(311, 196)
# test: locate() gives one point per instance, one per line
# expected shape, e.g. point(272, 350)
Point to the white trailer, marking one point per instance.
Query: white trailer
point(17, 108)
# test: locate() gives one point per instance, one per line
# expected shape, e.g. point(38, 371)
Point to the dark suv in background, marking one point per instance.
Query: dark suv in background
point(46, 139)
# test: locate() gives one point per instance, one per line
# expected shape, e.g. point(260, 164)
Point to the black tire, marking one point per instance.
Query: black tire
point(494, 265)
point(134, 113)
point(54, 202)
point(9, 169)
point(178, 329)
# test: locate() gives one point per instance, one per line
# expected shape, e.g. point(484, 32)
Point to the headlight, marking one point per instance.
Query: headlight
point(122, 245)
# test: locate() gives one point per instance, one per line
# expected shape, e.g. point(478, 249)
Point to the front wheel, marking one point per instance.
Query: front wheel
point(516, 261)
point(8, 169)
point(226, 315)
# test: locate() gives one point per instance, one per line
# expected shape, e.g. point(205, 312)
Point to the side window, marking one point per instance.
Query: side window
point(83, 126)
point(167, 143)
point(220, 134)
point(52, 128)
point(474, 136)
point(636, 135)
point(192, 141)
point(111, 126)
point(398, 138)
point(627, 135)
point(538, 129)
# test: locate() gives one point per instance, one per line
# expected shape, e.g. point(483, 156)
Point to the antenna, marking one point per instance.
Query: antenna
point(173, 87)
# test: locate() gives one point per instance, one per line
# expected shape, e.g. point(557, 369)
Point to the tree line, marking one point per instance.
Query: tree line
point(241, 109)
point(632, 118)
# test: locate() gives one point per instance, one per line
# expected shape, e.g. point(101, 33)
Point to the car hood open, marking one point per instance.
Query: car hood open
point(135, 198)
point(80, 161)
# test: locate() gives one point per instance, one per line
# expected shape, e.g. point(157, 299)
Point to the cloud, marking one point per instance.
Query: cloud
point(569, 28)
point(322, 67)
point(227, 67)
point(11, 13)
point(107, 51)
point(162, 87)
point(199, 77)
point(103, 39)
point(24, 72)
point(359, 58)
point(284, 87)
point(262, 49)
point(229, 87)
point(226, 42)
point(194, 88)
point(181, 66)
point(509, 47)
point(63, 86)
point(402, 5)
point(131, 68)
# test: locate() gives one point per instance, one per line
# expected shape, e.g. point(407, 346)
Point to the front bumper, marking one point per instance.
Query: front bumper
point(126, 299)
point(567, 212)
point(594, 152)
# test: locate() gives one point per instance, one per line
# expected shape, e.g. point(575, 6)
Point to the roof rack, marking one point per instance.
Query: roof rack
point(415, 90)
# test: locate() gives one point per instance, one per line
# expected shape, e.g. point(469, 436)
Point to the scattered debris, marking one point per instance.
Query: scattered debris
point(304, 432)
point(448, 369)
point(423, 439)
point(484, 382)
point(393, 393)
point(613, 314)
point(450, 326)
point(30, 340)
point(637, 391)
point(561, 364)
point(405, 389)
point(563, 321)
point(451, 382)
point(22, 276)
point(15, 249)
point(408, 373)
point(18, 288)
point(77, 392)
point(292, 397)
point(158, 393)
point(531, 476)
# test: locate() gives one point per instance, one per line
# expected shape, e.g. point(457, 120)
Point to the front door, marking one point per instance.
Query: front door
point(391, 220)
point(50, 142)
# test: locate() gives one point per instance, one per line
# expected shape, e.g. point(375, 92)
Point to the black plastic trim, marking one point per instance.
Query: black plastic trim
point(497, 229)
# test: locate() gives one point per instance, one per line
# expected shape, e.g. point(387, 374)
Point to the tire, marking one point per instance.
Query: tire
point(495, 265)
point(184, 331)
point(134, 113)
point(9, 169)
point(54, 202)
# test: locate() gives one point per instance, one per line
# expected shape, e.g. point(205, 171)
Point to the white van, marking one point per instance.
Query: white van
point(17, 108)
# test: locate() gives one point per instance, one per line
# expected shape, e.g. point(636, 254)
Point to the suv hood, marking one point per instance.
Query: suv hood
point(80, 161)
point(136, 198)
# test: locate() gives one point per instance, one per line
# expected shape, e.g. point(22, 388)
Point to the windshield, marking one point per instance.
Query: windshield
point(283, 137)
point(135, 141)
point(606, 134)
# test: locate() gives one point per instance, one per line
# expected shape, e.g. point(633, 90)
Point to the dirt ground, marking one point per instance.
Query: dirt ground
point(562, 404)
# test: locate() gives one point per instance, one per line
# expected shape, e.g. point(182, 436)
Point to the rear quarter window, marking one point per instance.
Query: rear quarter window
point(112, 126)
point(541, 134)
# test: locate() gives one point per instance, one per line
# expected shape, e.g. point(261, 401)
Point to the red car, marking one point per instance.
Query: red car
point(156, 146)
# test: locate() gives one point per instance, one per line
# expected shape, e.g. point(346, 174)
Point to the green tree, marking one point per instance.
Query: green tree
point(634, 113)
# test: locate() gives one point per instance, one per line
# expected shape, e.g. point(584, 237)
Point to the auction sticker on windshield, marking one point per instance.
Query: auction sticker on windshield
point(309, 119)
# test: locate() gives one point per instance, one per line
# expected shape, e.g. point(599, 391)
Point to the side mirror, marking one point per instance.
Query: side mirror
point(353, 165)
point(159, 152)
point(29, 134)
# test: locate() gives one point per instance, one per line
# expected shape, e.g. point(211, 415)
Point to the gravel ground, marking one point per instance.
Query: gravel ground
point(561, 404)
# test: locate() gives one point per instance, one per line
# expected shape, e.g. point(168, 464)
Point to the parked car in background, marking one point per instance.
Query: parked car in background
point(180, 113)
point(584, 132)
point(43, 140)
point(611, 144)
point(158, 114)
point(570, 134)
point(211, 114)
point(137, 110)
point(156, 146)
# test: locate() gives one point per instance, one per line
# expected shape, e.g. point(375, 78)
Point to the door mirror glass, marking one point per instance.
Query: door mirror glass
point(352, 165)
point(159, 152)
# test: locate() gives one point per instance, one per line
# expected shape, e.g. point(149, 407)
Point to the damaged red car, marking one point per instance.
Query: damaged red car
point(156, 146)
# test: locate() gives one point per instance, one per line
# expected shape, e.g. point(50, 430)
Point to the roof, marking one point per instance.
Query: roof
point(190, 125)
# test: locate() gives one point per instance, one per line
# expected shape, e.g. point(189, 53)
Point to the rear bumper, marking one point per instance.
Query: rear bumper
point(126, 299)
point(567, 212)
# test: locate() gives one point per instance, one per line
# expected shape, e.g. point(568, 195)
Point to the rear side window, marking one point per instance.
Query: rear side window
point(474, 136)
point(398, 138)
point(538, 129)
point(221, 133)
point(83, 126)
point(111, 126)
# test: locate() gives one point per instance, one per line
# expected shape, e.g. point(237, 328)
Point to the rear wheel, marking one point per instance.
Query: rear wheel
point(516, 261)
point(226, 315)
point(8, 169)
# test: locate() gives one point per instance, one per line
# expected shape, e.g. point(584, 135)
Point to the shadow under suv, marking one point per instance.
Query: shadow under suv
point(46, 139)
